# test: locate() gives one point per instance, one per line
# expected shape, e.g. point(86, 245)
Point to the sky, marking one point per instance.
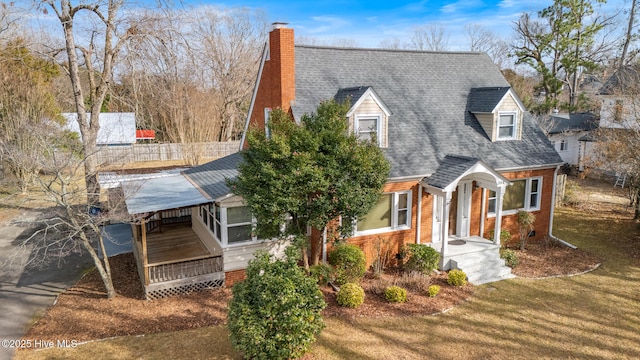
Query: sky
point(369, 22)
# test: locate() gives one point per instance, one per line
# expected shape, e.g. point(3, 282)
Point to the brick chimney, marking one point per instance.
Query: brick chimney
point(277, 87)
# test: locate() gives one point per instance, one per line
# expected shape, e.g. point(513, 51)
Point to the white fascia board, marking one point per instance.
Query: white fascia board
point(370, 93)
point(265, 52)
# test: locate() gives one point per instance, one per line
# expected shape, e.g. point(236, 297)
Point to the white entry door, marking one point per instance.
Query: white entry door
point(463, 223)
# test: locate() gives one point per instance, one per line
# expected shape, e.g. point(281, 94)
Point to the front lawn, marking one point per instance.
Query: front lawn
point(595, 315)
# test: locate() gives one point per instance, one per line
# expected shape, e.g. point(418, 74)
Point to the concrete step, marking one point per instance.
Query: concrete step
point(482, 267)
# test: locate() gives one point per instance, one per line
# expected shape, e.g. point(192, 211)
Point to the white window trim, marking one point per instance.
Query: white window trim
point(527, 198)
point(394, 216)
point(378, 117)
point(223, 237)
point(515, 125)
point(564, 145)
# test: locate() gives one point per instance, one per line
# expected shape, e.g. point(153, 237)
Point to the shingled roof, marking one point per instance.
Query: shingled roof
point(485, 99)
point(573, 122)
point(428, 94)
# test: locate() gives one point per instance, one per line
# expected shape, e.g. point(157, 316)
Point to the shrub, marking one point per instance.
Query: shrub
point(510, 257)
point(322, 273)
point(395, 294)
point(457, 277)
point(415, 281)
point(434, 290)
point(505, 237)
point(276, 312)
point(422, 258)
point(350, 295)
point(525, 226)
point(349, 262)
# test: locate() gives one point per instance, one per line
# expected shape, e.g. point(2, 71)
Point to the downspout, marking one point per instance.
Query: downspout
point(553, 206)
point(419, 214)
point(324, 245)
point(482, 207)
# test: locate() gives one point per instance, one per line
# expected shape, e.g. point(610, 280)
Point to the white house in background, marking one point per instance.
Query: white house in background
point(116, 129)
point(570, 135)
point(619, 105)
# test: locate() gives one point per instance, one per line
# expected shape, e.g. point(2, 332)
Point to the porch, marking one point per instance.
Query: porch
point(172, 259)
point(479, 258)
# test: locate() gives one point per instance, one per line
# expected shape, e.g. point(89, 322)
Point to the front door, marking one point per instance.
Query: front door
point(463, 212)
point(453, 214)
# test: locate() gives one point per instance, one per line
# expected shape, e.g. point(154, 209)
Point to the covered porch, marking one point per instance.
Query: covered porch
point(171, 258)
point(452, 186)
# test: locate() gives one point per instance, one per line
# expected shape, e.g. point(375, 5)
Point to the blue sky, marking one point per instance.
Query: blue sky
point(369, 22)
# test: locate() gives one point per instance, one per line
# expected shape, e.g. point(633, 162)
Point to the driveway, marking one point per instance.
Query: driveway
point(26, 291)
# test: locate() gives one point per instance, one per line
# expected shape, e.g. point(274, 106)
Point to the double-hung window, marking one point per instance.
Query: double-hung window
point(522, 194)
point(230, 225)
point(368, 127)
point(507, 126)
point(391, 212)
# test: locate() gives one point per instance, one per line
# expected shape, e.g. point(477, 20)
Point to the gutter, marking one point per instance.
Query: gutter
point(536, 167)
point(553, 206)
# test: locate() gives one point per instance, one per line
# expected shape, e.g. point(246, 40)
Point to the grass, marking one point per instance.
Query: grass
point(591, 316)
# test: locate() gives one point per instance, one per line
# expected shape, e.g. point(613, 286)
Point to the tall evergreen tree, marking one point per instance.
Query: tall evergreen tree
point(309, 174)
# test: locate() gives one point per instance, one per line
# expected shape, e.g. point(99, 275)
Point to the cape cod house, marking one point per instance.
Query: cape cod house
point(465, 157)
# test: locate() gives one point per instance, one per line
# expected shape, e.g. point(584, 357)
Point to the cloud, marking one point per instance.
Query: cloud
point(504, 4)
point(328, 23)
point(461, 5)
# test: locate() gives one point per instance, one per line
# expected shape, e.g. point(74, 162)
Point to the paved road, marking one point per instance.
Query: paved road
point(26, 292)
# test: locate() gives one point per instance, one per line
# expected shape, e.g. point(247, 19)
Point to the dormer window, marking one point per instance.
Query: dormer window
point(507, 126)
point(368, 127)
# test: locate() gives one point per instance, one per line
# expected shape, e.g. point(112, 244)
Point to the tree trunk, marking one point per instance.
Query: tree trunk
point(628, 37)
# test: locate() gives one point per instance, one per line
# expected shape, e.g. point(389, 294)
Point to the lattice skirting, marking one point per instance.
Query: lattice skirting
point(162, 292)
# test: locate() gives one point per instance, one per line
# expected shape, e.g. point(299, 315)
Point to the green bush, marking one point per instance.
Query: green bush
point(276, 312)
point(350, 295)
point(434, 290)
point(422, 258)
point(395, 294)
point(322, 273)
point(457, 278)
point(510, 257)
point(349, 263)
point(505, 237)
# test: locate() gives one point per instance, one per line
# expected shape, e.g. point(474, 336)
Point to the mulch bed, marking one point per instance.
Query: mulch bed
point(83, 313)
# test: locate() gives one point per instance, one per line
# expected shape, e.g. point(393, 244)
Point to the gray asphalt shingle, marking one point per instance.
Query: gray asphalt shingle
point(428, 96)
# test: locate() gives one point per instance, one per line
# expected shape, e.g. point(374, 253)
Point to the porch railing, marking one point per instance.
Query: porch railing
point(168, 217)
point(184, 269)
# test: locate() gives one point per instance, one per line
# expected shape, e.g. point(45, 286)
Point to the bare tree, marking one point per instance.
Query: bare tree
point(484, 40)
point(26, 108)
point(629, 36)
point(617, 149)
point(192, 80)
point(432, 37)
point(392, 44)
point(335, 41)
point(112, 28)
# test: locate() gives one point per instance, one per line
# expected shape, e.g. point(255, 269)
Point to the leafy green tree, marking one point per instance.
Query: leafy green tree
point(559, 46)
point(309, 175)
point(276, 312)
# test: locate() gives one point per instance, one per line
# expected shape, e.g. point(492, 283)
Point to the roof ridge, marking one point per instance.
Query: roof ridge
point(459, 52)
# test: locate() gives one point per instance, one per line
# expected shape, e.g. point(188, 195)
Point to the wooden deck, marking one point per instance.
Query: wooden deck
point(174, 243)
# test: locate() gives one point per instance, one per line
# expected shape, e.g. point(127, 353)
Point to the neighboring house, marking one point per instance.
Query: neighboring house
point(116, 129)
point(620, 107)
point(465, 157)
point(571, 135)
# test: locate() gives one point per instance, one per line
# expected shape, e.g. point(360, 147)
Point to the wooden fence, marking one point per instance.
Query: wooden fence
point(164, 152)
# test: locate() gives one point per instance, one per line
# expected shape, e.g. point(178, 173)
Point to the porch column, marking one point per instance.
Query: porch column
point(444, 232)
point(145, 261)
point(499, 198)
